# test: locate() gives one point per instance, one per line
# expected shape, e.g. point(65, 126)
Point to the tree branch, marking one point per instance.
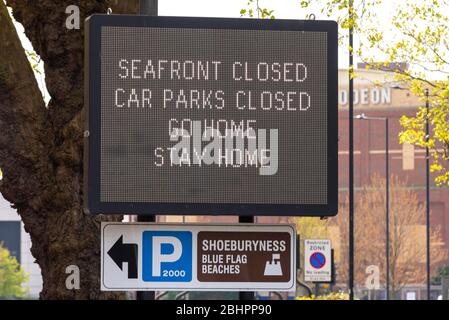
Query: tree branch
point(62, 49)
point(24, 137)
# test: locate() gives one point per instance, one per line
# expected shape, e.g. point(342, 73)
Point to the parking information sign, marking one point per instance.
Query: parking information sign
point(317, 261)
point(145, 256)
point(211, 116)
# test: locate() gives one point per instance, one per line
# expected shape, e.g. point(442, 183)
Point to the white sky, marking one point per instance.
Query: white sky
point(283, 9)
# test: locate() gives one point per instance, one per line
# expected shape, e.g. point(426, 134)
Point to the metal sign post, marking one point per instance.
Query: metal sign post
point(245, 295)
point(351, 155)
point(150, 8)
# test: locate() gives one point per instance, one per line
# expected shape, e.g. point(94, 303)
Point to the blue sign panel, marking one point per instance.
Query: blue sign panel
point(167, 256)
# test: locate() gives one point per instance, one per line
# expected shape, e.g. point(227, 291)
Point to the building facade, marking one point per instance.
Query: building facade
point(405, 161)
point(14, 237)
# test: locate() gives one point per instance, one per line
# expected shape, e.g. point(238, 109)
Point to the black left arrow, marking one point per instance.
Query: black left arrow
point(125, 252)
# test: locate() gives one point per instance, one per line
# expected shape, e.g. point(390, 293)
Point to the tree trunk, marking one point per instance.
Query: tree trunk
point(41, 148)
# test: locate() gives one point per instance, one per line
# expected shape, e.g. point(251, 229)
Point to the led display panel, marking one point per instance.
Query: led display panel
point(210, 116)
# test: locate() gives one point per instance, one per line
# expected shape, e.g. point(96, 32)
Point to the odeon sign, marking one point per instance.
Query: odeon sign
point(366, 96)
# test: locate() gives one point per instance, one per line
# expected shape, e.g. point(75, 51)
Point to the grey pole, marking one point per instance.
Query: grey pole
point(351, 157)
point(246, 295)
point(427, 197)
point(149, 8)
point(387, 210)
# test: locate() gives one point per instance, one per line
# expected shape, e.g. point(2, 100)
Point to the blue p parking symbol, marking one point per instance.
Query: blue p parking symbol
point(167, 256)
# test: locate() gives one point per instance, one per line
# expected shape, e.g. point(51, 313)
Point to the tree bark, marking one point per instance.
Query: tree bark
point(41, 148)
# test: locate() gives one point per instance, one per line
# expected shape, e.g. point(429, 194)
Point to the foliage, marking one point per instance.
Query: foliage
point(34, 60)
point(442, 272)
point(416, 33)
point(11, 276)
point(331, 296)
point(407, 234)
point(412, 31)
point(254, 10)
point(311, 227)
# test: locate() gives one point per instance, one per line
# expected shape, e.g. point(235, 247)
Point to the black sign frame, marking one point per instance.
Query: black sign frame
point(92, 98)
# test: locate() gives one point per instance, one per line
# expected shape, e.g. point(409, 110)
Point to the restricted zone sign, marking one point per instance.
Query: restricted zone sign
point(147, 256)
point(210, 116)
point(317, 260)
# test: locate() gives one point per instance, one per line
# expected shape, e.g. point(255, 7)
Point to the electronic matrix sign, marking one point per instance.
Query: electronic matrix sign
point(211, 116)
